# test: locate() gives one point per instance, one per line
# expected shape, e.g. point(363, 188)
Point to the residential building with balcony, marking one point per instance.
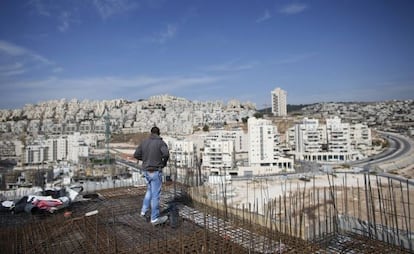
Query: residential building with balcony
point(265, 156)
point(333, 141)
point(224, 150)
point(54, 149)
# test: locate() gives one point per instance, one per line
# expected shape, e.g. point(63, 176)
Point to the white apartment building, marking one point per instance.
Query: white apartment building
point(338, 139)
point(360, 136)
point(55, 149)
point(86, 127)
point(70, 128)
point(264, 154)
point(279, 102)
point(239, 137)
point(33, 126)
point(224, 150)
point(11, 149)
point(218, 157)
point(263, 142)
point(182, 152)
point(334, 141)
point(76, 148)
point(307, 136)
point(183, 157)
point(35, 153)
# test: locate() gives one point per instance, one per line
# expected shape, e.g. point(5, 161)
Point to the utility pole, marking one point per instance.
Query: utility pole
point(107, 134)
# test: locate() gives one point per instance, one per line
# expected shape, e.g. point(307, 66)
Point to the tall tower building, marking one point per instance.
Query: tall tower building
point(279, 107)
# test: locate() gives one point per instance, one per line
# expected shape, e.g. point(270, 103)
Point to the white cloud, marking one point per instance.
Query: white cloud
point(65, 21)
point(11, 69)
point(264, 17)
point(11, 49)
point(233, 65)
point(17, 51)
point(162, 37)
point(64, 16)
point(57, 70)
point(108, 8)
point(167, 34)
point(296, 58)
point(293, 9)
point(41, 8)
point(19, 59)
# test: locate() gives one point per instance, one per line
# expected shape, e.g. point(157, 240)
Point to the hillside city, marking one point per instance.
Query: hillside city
point(217, 138)
point(199, 126)
point(314, 170)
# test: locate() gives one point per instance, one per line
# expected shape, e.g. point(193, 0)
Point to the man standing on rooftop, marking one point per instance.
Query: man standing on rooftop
point(154, 154)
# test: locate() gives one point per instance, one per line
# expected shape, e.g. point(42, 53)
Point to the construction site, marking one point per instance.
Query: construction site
point(373, 217)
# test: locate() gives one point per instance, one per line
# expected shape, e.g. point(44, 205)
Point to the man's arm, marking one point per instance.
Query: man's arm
point(138, 153)
point(165, 153)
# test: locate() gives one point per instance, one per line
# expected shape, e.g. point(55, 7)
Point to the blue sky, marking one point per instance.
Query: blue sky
point(318, 51)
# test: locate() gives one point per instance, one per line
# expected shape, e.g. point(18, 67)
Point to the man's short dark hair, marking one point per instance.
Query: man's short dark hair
point(155, 130)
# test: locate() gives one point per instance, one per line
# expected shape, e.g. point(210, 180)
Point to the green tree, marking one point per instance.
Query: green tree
point(258, 115)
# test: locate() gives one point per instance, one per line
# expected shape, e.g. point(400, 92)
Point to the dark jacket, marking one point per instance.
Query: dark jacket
point(153, 152)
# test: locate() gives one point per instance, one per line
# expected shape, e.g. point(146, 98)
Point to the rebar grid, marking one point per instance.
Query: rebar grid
point(118, 228)
point(379, 209)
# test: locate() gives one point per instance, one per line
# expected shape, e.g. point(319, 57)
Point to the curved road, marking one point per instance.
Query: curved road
point(399, 146)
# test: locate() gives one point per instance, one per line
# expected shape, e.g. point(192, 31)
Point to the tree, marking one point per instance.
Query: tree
point(206, 128)
point(258, 115)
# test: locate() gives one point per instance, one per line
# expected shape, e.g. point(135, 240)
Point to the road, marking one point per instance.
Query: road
point(399, 146)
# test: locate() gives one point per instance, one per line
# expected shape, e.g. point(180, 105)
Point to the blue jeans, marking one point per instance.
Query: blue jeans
point(152, 196)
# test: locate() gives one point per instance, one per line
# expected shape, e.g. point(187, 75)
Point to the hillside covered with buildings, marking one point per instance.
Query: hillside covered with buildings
point(215, 137)
point(229, 153)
